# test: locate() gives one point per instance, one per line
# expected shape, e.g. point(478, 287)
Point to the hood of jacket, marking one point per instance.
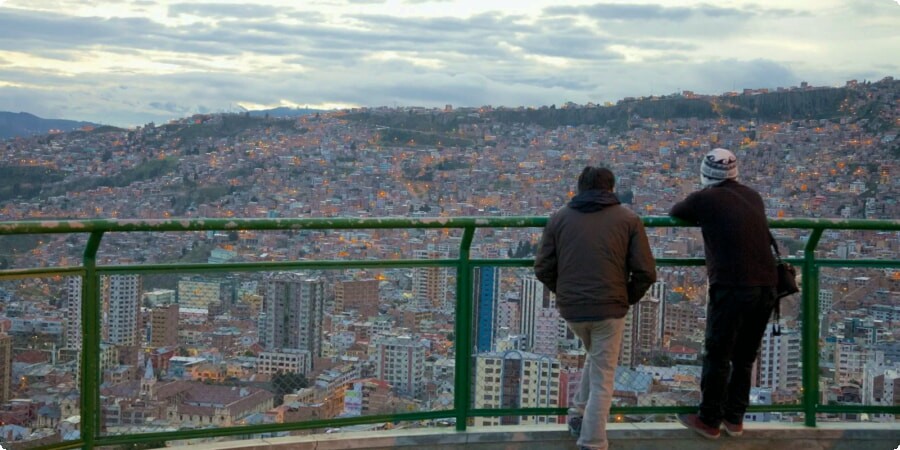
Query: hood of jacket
point(593, 200)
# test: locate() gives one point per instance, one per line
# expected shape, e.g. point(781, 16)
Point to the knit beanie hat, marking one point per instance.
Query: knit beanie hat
point(718, 165)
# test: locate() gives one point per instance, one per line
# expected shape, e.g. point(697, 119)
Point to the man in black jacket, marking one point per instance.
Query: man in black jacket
point(595, 256)
point(741, 271)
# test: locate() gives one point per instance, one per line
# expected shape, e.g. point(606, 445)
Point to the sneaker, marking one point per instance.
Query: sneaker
point(693, 422)
point(733, 429)
point(574, 423)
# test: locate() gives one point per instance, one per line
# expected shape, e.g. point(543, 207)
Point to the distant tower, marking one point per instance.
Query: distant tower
point(487, 290)
point(164, 326)
point(122, 298)
point(539, 319)
point(73, 313)
point(430, 283)
point(649, 320)
point(293, 314)
point(5, 366)
point(148, 381)
point(508, 313)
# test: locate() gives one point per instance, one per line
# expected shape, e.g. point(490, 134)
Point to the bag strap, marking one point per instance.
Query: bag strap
point(776, 312)
point(774, 246)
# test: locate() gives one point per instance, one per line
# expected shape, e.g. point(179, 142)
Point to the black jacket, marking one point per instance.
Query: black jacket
point(735, 230)
point(595, 256)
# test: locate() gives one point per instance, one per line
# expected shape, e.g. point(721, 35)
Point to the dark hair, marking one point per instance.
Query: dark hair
point(599, 178)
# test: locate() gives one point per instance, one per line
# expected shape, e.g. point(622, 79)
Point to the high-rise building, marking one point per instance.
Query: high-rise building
point(121, 325)
point(681, 319)
point(164, 326)
point(293, 314)
point(122, 301)
point(508, 313)
point(400, 360)
point(486, 293)
point(5, 366)
point(359, 295)
point(778, 365)
point(73, 313)
point(826, 300)
point(539, 319)
point(627, 356)
point(430, 283)
point(648, 321)
point(849, 359)
point(516, 379)
point(197, 292)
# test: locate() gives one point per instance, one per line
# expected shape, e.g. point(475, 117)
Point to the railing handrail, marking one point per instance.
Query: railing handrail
point(342, 223)
point(91, 324)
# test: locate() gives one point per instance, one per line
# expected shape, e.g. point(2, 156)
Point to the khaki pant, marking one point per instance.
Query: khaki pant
point(602, 341)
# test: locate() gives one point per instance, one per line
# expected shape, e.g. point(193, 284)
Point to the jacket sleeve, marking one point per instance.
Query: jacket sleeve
point(545, 262)
point(641, 265)
point(686, 209)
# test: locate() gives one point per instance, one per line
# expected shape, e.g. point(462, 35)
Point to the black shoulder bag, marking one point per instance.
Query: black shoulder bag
point(786, 284)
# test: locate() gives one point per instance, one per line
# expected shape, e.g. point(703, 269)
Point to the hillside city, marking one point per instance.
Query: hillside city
point(203, 350)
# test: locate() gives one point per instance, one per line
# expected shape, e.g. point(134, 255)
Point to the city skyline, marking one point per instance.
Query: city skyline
point(244, 346)
point(130, 63)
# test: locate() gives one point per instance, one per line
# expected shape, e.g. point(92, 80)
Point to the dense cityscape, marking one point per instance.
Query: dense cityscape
point(205, 350)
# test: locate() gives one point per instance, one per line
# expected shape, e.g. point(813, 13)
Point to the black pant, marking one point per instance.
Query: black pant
point(736, 320)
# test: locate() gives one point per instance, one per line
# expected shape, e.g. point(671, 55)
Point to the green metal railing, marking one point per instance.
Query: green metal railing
point(462, 411)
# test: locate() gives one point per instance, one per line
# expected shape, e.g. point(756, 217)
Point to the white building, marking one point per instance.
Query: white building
point(849, 360)
point(400, 360)
point(516, 379)
point(288, 360)
point(778, 366)
point(73, 313)
point(122, 300)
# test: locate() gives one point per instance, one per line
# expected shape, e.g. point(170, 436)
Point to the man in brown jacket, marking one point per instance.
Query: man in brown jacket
point(594, 255)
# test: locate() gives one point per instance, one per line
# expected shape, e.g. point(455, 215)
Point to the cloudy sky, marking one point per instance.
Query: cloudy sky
point(129, 62)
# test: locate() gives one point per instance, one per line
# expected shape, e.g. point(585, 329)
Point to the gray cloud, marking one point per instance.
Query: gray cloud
point(645, 12)
point(224, 10)
point(573, 43)
point(482, 59)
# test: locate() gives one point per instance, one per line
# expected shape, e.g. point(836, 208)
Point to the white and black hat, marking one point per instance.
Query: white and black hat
point(718, 165)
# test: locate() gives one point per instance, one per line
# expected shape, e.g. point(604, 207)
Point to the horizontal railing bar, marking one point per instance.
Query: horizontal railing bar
point(341, 223)
point(637, 410)
point(355, 264)
point(99, 226)
point(269, 428)
point(516, 262)
point(43, 272)
point(876, 409)
point(873, 263)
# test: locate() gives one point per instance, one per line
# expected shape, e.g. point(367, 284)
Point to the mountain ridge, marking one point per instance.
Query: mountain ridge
point(27, 124)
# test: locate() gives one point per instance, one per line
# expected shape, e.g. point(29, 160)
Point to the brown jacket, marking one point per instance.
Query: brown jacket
point(595, 256)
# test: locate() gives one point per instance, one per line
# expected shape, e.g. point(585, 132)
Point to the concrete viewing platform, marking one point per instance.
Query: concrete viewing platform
point(628, 436)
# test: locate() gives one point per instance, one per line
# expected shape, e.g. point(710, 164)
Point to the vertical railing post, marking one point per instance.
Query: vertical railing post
point(90, 344)
point(810, 341)
point(463, 374)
